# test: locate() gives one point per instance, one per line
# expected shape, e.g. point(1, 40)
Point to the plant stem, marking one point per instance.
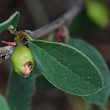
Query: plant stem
point(61, 21)
point(18, 39)
point(28, 37)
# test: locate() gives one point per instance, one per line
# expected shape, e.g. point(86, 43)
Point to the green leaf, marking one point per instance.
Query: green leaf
point(19, 92)
point(97, 59)
point(3, 104)
point(66, 68)
point(43, 84)
point(13, 20)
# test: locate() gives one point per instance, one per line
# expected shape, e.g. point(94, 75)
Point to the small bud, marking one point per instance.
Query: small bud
point(22, 61)
point(62, 34)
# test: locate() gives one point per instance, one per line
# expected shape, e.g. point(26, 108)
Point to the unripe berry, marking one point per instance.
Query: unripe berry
point(97, 12)
point(22, 60)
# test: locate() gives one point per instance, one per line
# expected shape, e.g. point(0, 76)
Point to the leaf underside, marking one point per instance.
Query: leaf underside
point(13, 20)
point(3, 105)
point(19, 92)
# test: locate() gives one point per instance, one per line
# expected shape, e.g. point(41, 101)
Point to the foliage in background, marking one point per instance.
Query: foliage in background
point(97, 59)
point(3, 104)
point(75, 67)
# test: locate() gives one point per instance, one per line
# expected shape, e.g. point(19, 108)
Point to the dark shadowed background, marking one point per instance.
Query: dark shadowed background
point(35, 14)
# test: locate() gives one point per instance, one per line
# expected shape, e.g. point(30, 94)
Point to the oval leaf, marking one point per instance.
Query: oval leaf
point(3, 105)
point(13, 20)
point(66, 68)
point(21, 89)
point(19, 92)
point(97, 59)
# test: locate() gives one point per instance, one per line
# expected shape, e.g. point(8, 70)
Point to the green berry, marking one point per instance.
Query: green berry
point(22, 60)
point(98, 13)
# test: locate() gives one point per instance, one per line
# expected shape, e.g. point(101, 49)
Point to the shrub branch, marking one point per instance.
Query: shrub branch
point(65, 19)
